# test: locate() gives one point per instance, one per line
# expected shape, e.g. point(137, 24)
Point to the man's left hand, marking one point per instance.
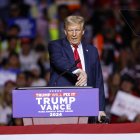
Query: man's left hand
point(101, 113)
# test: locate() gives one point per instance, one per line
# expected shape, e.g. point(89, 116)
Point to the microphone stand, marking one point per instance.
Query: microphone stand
point(55, 83)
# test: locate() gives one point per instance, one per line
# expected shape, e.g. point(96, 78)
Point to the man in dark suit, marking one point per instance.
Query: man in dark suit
point(65, 52)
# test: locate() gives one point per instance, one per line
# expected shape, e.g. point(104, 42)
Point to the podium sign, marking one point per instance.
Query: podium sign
point(55, 102)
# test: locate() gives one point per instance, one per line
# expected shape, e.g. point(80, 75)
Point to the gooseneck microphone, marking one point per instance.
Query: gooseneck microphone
point(67, 70)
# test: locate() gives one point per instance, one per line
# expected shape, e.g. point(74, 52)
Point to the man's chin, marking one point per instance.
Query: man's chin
point(75, 42)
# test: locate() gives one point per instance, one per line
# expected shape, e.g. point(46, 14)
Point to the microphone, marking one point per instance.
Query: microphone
point(104, 119)
point(61, 74)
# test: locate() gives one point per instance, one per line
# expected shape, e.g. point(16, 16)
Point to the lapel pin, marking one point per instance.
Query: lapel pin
point(87, 50)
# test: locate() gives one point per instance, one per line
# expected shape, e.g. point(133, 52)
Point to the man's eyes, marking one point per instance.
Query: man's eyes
point(74, 30)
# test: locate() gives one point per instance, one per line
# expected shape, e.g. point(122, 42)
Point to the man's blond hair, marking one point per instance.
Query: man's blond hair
point(74, 19)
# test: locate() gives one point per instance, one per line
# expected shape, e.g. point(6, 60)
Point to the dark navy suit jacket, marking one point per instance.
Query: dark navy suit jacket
point(62, 59)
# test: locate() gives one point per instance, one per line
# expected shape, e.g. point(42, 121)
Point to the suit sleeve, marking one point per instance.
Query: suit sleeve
point(100, 83)
point(58, 58)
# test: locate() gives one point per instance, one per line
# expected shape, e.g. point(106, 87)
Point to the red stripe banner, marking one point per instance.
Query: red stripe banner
point(72, 129)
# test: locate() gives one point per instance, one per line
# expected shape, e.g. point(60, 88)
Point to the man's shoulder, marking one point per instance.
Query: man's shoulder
point(92, 47)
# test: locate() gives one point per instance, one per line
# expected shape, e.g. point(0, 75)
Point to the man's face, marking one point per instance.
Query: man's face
point(74, 33)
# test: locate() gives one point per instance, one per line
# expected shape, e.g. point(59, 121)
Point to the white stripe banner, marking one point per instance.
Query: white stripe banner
point(128, 136)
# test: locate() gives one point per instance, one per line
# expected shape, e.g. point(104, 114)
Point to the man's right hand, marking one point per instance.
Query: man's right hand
point(82, 78)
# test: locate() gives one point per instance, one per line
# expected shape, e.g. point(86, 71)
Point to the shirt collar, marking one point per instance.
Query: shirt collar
point(79, 45)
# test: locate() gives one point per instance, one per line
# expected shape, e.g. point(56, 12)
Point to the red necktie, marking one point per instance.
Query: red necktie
point(76, 56)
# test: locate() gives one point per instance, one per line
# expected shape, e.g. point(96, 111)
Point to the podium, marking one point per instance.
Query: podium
point(55, 105)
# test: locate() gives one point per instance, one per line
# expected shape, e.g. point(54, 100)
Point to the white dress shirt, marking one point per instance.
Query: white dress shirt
point(81, 55)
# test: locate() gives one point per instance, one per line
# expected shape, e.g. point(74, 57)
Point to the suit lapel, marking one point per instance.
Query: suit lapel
point(68, 50)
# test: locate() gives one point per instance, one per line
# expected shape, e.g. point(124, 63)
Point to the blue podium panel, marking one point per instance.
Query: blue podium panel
point(55, 102)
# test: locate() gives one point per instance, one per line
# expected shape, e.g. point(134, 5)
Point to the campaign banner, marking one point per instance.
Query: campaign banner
point(6, 75)
point(55, 102)
point(126, 104)
point(27, 26)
